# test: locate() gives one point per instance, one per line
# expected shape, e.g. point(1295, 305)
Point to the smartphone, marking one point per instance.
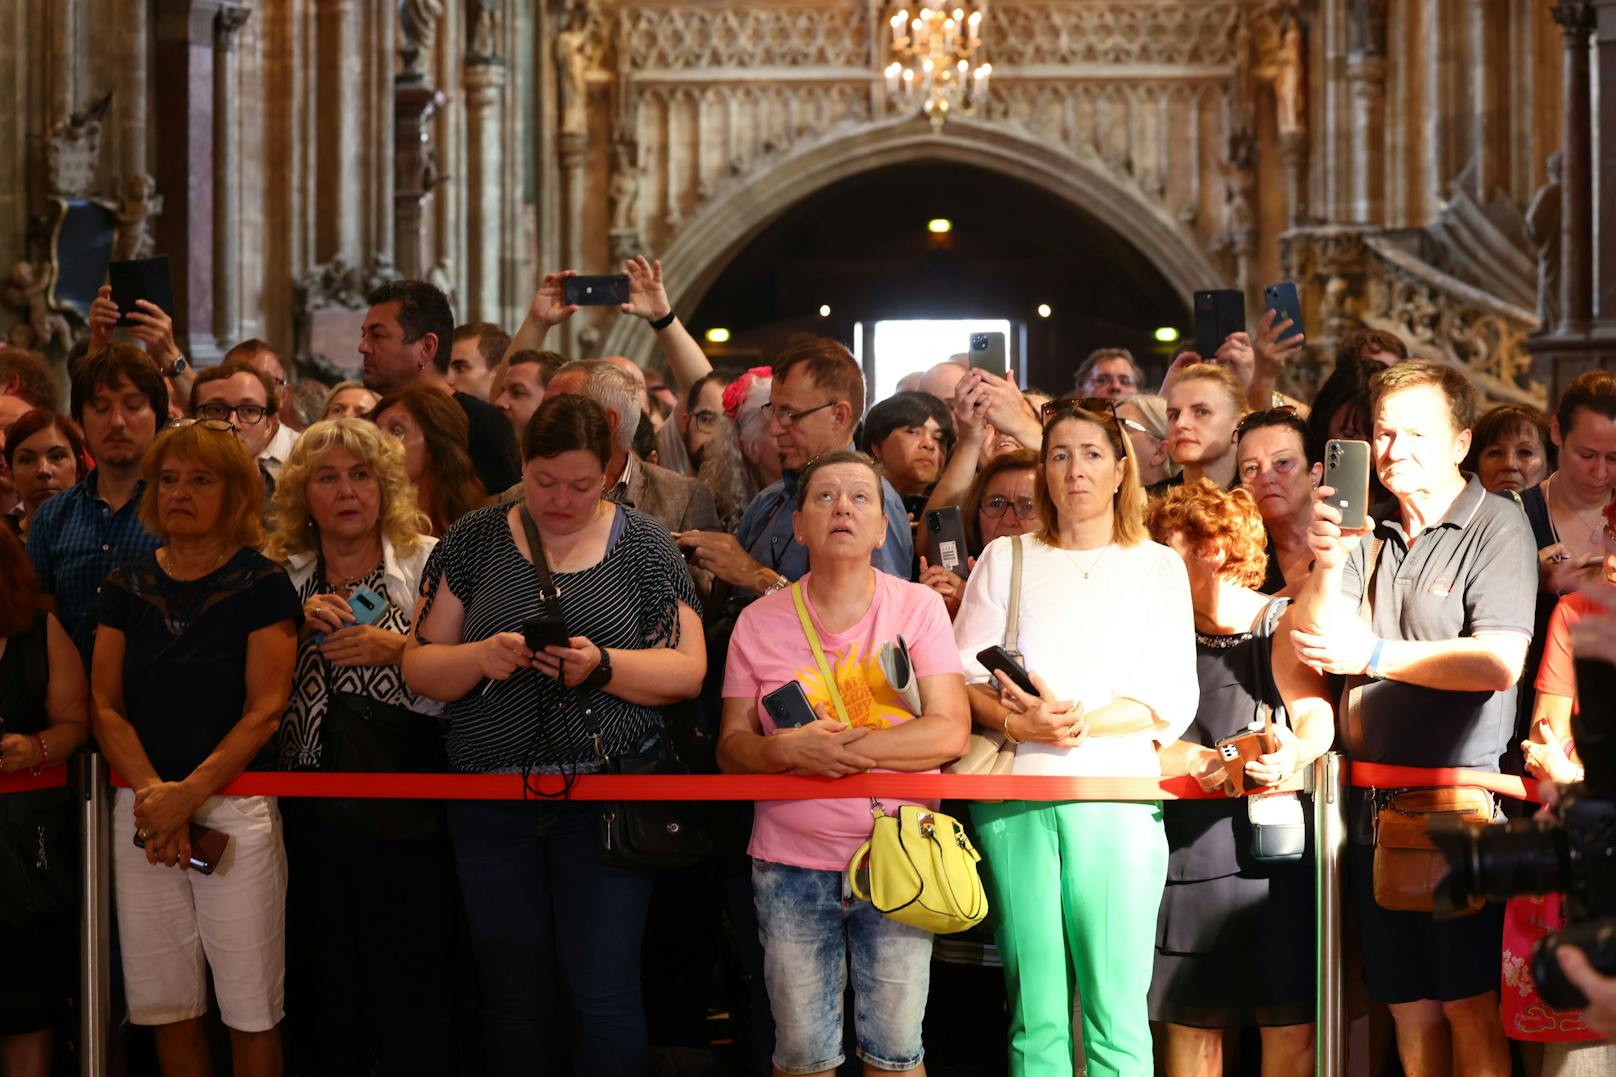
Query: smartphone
point(988, 353)
point(945, 540)
point(1346, 471)
point(595, 291)
point(548, 630)
point(1242, 748)
point(207, 847)
point(999, 660)
point(1283, 300)
point(1218, 312)
point(141, 278)
point(788, 707)
point(367, 606)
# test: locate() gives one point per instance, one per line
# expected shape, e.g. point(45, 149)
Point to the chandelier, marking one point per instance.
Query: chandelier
point(936, 63)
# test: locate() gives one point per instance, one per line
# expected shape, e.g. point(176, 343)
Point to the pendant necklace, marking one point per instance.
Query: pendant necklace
point(1092, 564)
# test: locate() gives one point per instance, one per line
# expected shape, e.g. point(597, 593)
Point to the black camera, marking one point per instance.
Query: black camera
point(1571, 852)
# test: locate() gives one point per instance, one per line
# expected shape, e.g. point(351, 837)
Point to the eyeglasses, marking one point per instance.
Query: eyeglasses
point(218, 426)
point(997, 505)
point(1268, 417)
point(249, 414)
point(706, 419)
point(1133, 424)
point(788, 418)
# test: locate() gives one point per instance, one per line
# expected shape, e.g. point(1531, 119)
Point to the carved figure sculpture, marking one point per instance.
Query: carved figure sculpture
point(1290, 104)
point(483, 16)
point(624, 191)
point(573, 57)
point(26, 289)
point(418, 32)
point(1543, 229)
point(136, 207)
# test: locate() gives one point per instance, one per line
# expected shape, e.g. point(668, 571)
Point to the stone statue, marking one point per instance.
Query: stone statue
point(418, 32)
point(483, 18)
point(1543, 229)
point(73, 150)
point(136, 207)
point(1290, 102)
point(573, 57)
point(624, 192)
point(26, 289)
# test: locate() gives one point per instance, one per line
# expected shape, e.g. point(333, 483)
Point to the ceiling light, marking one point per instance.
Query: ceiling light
point(824, 310)
point(718, 336)
point(939, 226)
point(1044, 311)
point(1166, 334)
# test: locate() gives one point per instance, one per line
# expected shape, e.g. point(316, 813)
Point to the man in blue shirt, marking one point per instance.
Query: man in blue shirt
point(815, 402)
point(83, 533)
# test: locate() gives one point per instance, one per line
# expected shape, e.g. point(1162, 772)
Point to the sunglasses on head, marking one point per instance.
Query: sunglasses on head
point(1266, 417)
point(1098, 405)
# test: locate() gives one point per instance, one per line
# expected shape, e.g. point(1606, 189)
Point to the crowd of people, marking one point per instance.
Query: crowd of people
point(483, 558)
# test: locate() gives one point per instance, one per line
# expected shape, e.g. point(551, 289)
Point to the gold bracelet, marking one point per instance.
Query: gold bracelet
point(1009, 736)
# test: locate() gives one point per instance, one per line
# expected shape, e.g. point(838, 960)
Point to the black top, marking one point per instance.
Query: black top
point(491, 444)
point(24, 677)
point(1208, 839)
point(185, 662)
point(629, 600)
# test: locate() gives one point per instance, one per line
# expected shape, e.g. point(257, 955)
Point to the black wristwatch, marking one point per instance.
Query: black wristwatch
point(177, 367)
point(601, 675)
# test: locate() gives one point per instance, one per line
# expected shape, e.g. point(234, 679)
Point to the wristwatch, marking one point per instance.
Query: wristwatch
point(601, 675)
point(177, 367)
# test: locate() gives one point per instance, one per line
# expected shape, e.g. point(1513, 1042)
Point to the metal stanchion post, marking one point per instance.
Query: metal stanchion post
point(1330, 842)
point(95, 980)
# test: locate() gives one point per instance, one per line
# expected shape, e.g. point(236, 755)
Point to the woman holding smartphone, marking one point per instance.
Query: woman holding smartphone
point(191, 671)
point(1106, 634)
point(544, 905)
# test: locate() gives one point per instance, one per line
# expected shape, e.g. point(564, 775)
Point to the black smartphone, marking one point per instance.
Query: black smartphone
point(945, 540)
point(788, 707)
point(1346, 471)
point(1284, 301)
point(141, 278)
point(207, 847)
point(988, 353)
point(595, 291)
point(999, 660)
point(547, 630)
point(1218, 312)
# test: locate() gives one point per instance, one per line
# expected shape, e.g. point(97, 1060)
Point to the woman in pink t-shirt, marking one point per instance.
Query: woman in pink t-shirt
point(807, 920)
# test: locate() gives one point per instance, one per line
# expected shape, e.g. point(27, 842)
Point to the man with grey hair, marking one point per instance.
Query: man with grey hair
point(1111, 373)
point(680, 503)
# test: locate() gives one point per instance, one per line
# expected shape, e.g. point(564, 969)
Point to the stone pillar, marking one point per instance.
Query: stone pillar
point(1605, 124)
point(185, 157)
point(485, 169)
point(1489, 86)
point(338, 104)
point(574, 151)
point(1366, 74)
point(227, 26)
point(1576, 18)
point(414, 105)
point(1293, 154)
point(134, 38)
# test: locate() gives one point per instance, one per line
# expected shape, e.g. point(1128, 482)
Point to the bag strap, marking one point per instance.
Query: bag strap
point(1012, 622)
point(1352, 713)
point(1262, 659)
point(548, 591)
point(819, 655)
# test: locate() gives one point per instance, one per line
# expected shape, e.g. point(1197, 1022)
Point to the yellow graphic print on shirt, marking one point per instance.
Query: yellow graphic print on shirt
point(869, 700)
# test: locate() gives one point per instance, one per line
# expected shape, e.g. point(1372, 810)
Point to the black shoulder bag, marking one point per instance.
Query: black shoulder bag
point(643, 834)
point(361, 735)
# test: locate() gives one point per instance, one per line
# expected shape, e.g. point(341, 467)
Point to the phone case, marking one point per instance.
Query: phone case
point(787, 706)
point(207, 847)
point(1283, 299)
point(595, 291)
point(141, 278)
point(945, 540)
point(1218, 312)
point(368, 607)
point(1346, 471)
point(1241, 749)
point(541, 632)
point(987, 353)
point(999, 660)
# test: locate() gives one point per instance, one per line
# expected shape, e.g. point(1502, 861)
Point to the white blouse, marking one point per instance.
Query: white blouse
point(1126, 631)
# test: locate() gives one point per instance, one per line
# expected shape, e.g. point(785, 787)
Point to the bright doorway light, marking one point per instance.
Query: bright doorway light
point(718, 336)
point(939, 226)
point(903, 347)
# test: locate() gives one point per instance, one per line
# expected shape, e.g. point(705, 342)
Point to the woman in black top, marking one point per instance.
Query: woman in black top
point(191, 671)
point(542, 903)
point(42, 705)
point(1234, 936)
point(1274, 463)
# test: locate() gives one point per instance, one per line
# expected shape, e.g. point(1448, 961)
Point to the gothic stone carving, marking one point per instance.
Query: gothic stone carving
point(74, 148)
point(1127, 32)
point(702, 37)
point(328, 302)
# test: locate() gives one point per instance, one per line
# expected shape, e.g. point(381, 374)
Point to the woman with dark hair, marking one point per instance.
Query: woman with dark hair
point(1511, 448)
point(544, 904)
point(1106, 634)
point(1273, 462)
point(999, 502)
point(1341, 406)
point(43, 697)
point(910, 435)
point(191, 672)
point(433, 429)
point(45, 452)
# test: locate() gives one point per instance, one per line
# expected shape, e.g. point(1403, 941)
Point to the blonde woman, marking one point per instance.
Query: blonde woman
point(349, 531)
point(1107, 633)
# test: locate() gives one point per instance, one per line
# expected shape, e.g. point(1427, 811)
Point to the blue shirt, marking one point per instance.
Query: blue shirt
point(74, 540)
point(766, 532)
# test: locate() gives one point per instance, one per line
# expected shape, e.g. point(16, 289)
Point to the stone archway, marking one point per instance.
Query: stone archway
point(713, 237)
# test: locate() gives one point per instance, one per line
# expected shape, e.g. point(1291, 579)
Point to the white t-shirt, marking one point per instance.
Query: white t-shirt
point(1126, 631)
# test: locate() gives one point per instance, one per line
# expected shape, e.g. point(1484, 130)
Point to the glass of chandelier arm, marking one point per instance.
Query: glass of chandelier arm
point(937, 65)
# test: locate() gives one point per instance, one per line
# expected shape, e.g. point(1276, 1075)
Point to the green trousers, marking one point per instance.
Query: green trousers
point(1075, 888)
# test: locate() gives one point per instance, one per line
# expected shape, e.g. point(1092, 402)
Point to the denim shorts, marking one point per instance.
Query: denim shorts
point(808, 923)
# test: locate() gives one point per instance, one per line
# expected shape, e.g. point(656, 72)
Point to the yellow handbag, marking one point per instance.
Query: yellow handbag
point(919, 868)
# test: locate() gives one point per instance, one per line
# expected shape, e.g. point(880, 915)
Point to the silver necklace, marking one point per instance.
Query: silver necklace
point(1092, 564)
point(1596, 531)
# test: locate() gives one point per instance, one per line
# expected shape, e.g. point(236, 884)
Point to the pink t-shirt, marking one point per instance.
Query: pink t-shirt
point(769, 648)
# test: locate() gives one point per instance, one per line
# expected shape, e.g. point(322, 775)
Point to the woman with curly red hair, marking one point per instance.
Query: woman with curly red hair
point(1234, 932)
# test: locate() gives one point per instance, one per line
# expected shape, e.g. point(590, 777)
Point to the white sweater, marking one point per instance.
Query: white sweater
point(1126, 631)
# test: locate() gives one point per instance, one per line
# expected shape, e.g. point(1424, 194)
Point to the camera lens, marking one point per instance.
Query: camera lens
point(1597, 940)
point(1522, 856)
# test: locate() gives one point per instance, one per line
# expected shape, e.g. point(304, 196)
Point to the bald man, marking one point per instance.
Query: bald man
point(940, 380)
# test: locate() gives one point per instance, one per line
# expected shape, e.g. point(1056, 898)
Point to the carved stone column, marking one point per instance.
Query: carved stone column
point(1366, 75)
point(485, 166)
point(227, 26)
point(1293, 153)
point(1605, 123)
point(414, 104)
point(1489, 84)
point(185, 151)
point(574, 148)
point(1576, 18)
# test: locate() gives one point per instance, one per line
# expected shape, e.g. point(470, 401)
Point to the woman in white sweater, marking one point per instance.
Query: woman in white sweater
point(1107, 633)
